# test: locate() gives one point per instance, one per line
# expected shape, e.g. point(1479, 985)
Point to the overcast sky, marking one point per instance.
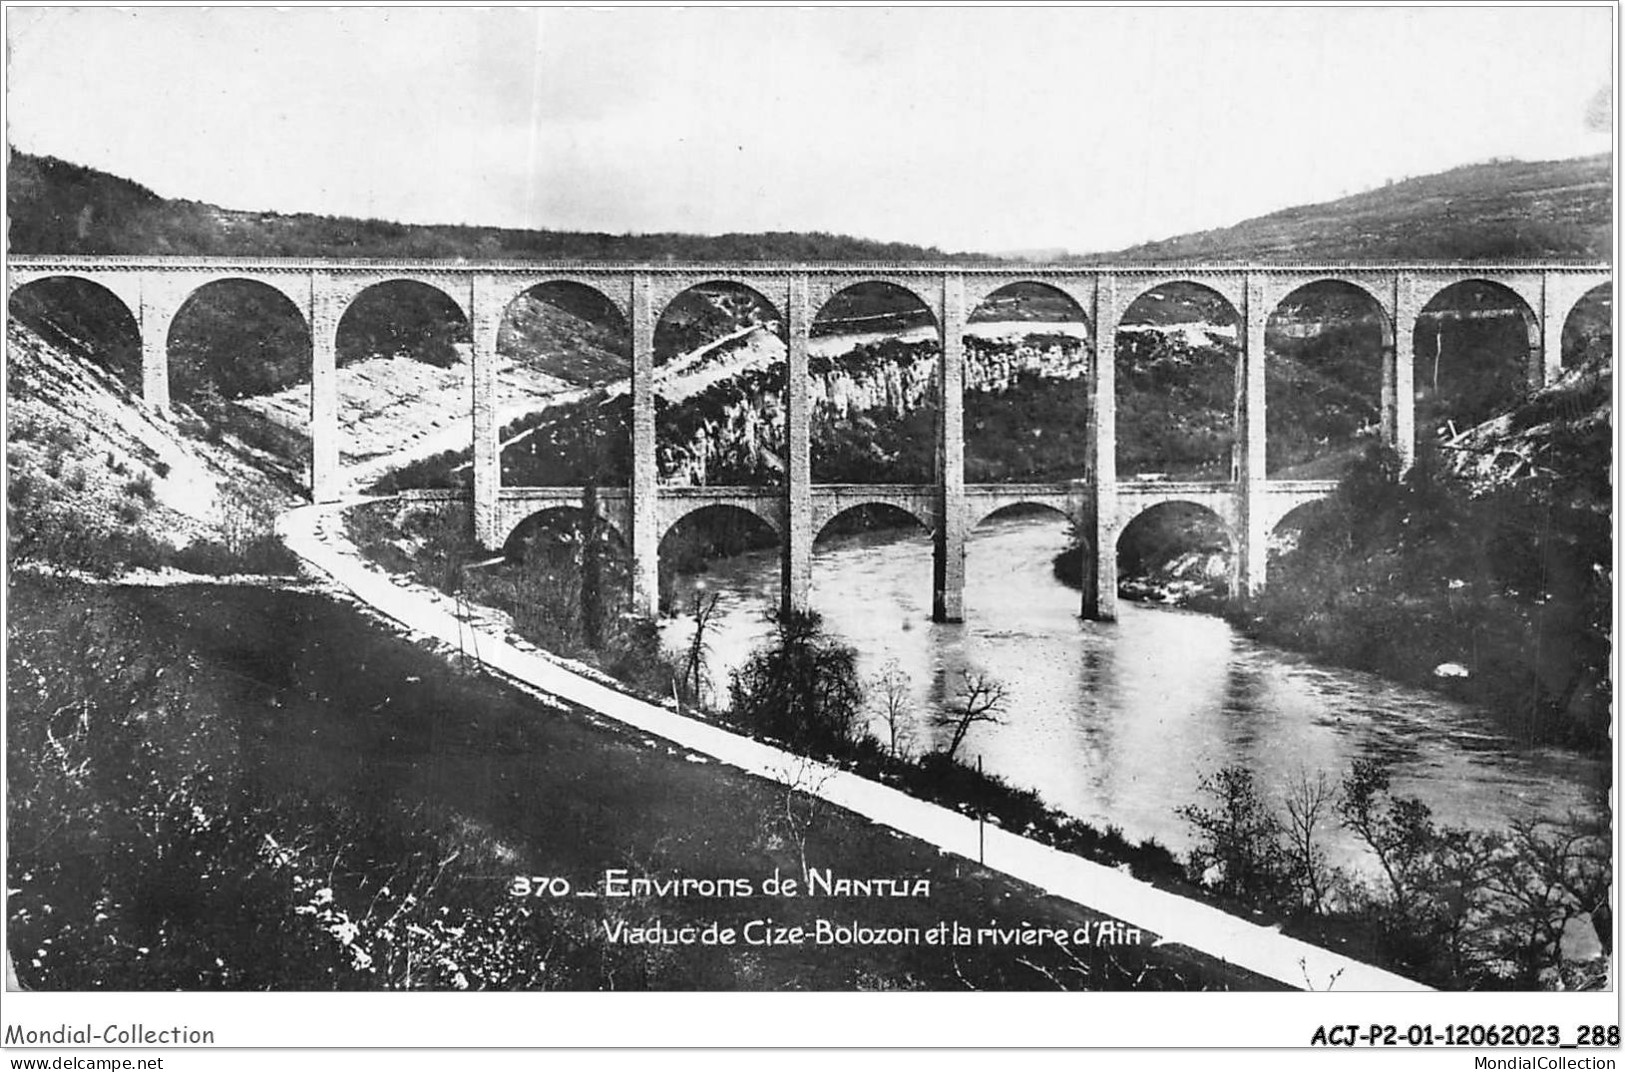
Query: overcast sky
point(964, 128)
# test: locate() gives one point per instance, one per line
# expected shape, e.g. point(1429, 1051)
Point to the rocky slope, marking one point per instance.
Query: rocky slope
point(93, 474)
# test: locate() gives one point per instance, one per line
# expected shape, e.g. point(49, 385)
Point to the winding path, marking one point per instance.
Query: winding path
point(316, 534)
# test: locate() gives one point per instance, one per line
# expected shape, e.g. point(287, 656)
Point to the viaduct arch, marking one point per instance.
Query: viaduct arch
point(154, 288)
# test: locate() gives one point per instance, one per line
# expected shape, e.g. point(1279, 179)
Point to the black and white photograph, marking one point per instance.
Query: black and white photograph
point(832, 501)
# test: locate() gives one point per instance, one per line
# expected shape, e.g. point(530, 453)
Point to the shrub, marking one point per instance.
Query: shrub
point(140, 487)
point(263, 554)
point(1239, 848)
point(48, 528)
point(1452, 907)
point(1463, 907)
point(802, 688)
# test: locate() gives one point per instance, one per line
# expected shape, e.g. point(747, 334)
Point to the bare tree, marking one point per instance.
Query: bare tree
point(696, 676)
point(800, 810)
point(591, 536)
point(890, 689)
point(1308, 803)
point(981, 698)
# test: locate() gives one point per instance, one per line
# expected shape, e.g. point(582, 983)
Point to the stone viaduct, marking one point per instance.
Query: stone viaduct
point(154, 290)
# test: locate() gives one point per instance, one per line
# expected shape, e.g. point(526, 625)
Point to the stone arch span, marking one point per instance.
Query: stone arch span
point(822, 291)
point(719, 380)
point(736, 300)
point(568, 515)
point(510, 296)
point(1157, 537)
point(675, 513)
point(876, 368)
point(1286, 496)
point(825, 512)
point(1231, 528)
point(1526, 287)
point(78, 311)
point(1328, 377)
point(670, 291)
point(126, 286)
point(347, 290)
point(1587, 326)
point(1526, 303)
point(1132, 288)
point(982, 512)
point(1177, 352)
point(707, 532)
point(596, 348)
point(117, 288)
point(418, 298)
point(1296, 517)
point(1078, 294)
point(239, 335)
point(1382, 303)
point(1467, 365)
point(615, 295)
point(1285, 288)
point(294, 286)
point(1028, 347)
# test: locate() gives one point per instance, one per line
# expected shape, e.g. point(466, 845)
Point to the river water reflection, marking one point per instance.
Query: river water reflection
point(1117, 722)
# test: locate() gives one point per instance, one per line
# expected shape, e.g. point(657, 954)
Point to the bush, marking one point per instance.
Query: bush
point(1452, 907)
point(946, 780)
point(1398, 573)
point(803, 688)
point(46, 528)
point(264, 554)
point(1239, 850)
point(140, 487)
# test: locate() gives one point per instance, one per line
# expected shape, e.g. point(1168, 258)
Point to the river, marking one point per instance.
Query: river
point(1116, 723)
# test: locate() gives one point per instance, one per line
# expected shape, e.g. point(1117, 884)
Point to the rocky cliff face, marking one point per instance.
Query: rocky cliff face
point(731, 430)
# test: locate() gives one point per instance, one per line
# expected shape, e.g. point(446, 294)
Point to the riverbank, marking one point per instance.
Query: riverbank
point(297, 733)
point(1177, 919)
point(1456, 644)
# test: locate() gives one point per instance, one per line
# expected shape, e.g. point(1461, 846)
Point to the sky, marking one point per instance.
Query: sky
point(966, 128)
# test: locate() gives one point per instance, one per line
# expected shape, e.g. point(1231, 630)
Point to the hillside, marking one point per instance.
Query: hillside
point(1505, 210)
point(1560, 209)
point(97, 482)
point(59, 207)
point(1492, 556)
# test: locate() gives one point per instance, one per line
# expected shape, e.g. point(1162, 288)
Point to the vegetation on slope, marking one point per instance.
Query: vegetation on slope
point(95, 483)
point(1503, 210)
point(1494, 554)
point(216, 789)
point(1525, 907)
point(59, 207)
